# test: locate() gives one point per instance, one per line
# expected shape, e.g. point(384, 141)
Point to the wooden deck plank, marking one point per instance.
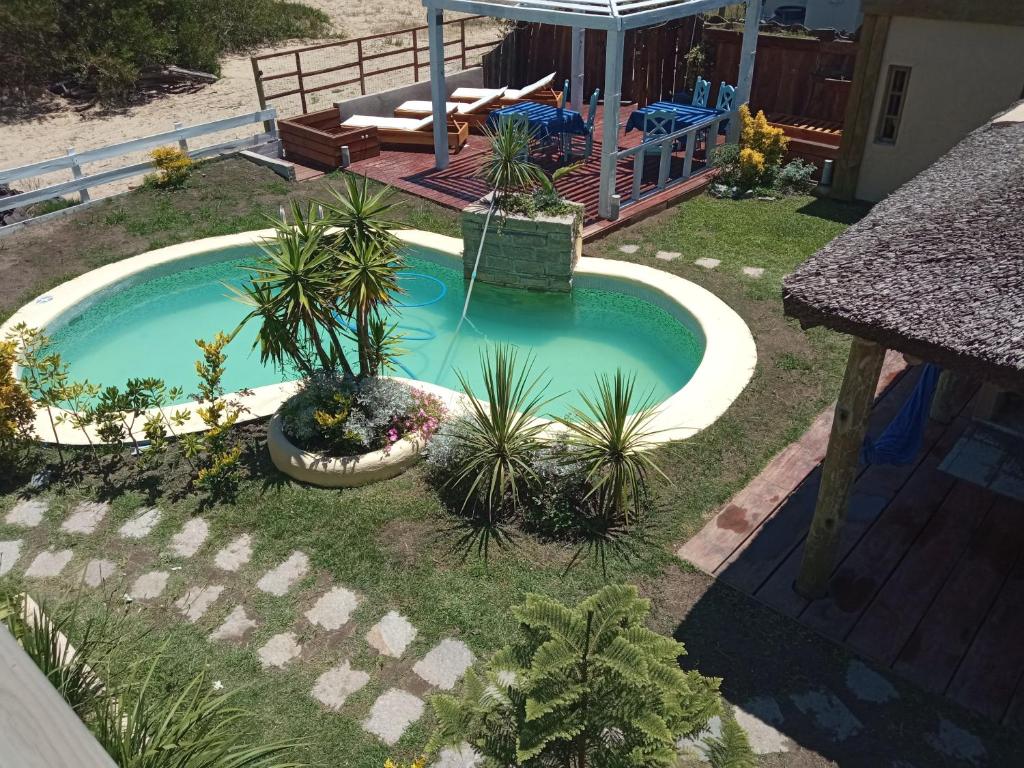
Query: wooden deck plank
point(892, 616)
point(992, 666)
point(934, 650)
point(1015, 711)
point(862, 574)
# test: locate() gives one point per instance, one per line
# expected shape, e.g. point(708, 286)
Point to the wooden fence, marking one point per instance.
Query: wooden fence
point(402, 55)
point(80, 183)
point(802, 76)
point(654, 58)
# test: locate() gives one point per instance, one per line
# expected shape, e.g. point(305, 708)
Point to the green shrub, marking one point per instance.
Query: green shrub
point(102, 47)
point(173, 165)
point(796, 178)
point(582, 686)
point(17, 416)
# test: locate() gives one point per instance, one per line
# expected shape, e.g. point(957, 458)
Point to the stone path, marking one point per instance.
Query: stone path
point(236, 626)
point(197, 601)
point(282, 578)
point(28, 513)
point(149, 585)
point(629, 248)
point(707, 263)
point(141, 525)
point(279, 650)
point(85, 517)
point(667, 255)
point(190, 538)
point(445, 664)
point(234, 555)
point(98, 571)
point(10, 551)
point(391, 635)
point(392, 713)
point(333, 610)
point(339, 682)
point(49, 564)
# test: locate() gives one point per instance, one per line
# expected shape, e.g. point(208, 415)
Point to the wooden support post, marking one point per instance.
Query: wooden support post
point(76, 172)
point(257, 76)
point(438, 92)
point(576, 90)
point(856, 397)
point(610, 129)
point(748, 52)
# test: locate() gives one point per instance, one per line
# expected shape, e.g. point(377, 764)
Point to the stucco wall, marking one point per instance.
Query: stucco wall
point(961, 75)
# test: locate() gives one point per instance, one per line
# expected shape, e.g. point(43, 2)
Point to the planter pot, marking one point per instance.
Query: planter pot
point(538, 253)
point(343, 471)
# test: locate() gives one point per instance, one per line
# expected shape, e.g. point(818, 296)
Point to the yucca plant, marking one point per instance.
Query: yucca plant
point(583, 687)
point(501, 433)
point(194, 728)
point(361, 213)
point(293, 293)
point(611, 438)
point(507, 168)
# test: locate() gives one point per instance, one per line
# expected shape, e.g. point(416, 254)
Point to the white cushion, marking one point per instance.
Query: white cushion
point(483, 101)
point(531, 88)
point(427, 107)
point(395, 123)
point(473, 93)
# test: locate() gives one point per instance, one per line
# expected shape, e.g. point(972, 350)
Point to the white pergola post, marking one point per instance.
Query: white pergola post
point(748, 52)
point(438, 92)
point(610, 129)
point(579, 35)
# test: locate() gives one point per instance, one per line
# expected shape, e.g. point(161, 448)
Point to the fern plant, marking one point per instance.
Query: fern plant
point(584, 687)
point(731, 749)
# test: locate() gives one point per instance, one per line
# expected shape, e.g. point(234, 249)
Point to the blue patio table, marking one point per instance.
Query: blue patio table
point(545, 121)
point(686, 114)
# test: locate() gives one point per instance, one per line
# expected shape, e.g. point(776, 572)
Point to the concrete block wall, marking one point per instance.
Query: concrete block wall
point(537, 254)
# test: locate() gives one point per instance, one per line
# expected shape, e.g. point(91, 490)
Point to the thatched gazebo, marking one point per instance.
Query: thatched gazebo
point(935, 271)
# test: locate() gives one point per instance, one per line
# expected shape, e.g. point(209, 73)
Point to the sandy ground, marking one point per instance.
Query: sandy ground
point(52, 133)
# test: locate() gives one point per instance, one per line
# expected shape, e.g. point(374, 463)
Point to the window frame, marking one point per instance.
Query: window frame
point(886, 116)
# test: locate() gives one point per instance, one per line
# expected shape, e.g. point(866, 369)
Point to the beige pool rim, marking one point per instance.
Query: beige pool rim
point(730, 354)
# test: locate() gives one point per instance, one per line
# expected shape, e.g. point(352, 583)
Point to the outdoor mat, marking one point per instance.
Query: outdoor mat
point(990, 456)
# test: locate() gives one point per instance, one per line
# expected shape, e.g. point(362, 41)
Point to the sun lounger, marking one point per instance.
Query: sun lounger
point(539, 91)
point(409, 133)
point(474, 113)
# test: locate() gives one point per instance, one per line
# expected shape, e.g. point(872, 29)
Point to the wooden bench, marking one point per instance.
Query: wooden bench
point(809, 139)
point(316, 139)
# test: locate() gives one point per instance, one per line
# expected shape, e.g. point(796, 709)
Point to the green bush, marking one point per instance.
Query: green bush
point(103, 46)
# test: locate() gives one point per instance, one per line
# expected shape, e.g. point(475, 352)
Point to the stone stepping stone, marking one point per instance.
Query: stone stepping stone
point(48, 564)
point(333, 610)
point(867, 685)
point(629, 248)
point(707, 263)
point(279, 580)
point(190, 538)
point(953, 741)
point(279, 650)
point(828, 713)
point(391, 714)
point(197, 601)
point(761, 718)
point(667, 255)
point(149, 585)
point(235, 554)
point(754, 272)
point(141, 525)
point(235, 626)
point(86, 517)
point(444, 664)
point(464, 756)
point(10, 551)
point(391, 635)
point(27, 513)
point(339, 682)
point(696, 746)
point(98, 571)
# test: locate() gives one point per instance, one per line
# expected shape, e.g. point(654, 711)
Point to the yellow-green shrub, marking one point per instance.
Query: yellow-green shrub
point(174, 166)
point(16, 412)
point(757, 134)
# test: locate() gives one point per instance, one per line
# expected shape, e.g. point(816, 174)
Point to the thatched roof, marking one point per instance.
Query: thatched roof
point(936, 269)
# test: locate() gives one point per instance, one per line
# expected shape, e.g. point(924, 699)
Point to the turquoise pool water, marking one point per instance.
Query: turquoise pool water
point(148, 327)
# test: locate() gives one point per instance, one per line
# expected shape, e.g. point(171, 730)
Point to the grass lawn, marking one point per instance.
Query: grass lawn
point(392, 542)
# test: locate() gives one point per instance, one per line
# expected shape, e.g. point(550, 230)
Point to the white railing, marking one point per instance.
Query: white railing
point(81, 183)
point(664, 147)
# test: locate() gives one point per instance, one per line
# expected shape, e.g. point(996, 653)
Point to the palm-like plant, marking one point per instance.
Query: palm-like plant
point(367, 283)
point(611, 438)
point(360, 213)
point(500, 435)
point(507, 168)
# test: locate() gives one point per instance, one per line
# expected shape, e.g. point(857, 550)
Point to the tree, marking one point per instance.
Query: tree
point(584, 687)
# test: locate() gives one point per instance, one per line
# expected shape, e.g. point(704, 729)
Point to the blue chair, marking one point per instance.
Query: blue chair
point(701, 92)
point(657, 123)
point(726, 97)
point(588, 140)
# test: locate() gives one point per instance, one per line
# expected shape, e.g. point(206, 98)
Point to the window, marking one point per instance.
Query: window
point(790, 14)
point(892, 106)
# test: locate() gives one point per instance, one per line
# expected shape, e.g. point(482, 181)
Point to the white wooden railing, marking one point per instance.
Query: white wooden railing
point(665, 146)
point(81, 183)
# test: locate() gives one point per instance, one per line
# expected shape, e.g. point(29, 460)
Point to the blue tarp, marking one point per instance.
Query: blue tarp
point(900, 442)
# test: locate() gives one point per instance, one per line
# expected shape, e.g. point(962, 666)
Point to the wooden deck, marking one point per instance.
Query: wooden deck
point(930, 580)
point(457, 186)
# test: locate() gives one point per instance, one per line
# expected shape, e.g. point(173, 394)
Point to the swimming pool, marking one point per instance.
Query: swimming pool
point(141, 317)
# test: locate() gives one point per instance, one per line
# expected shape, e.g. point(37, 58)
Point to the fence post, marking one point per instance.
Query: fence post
point(182, 143)
point(258, 78)
point(415, 57)
point(362, 72)
point(302, 86)
point(76, 172)
point(462, 42)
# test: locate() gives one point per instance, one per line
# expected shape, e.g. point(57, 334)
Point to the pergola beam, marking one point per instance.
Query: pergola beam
point(576, 87)
point(856, 397)
point(438, 92)
point(610, 127)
